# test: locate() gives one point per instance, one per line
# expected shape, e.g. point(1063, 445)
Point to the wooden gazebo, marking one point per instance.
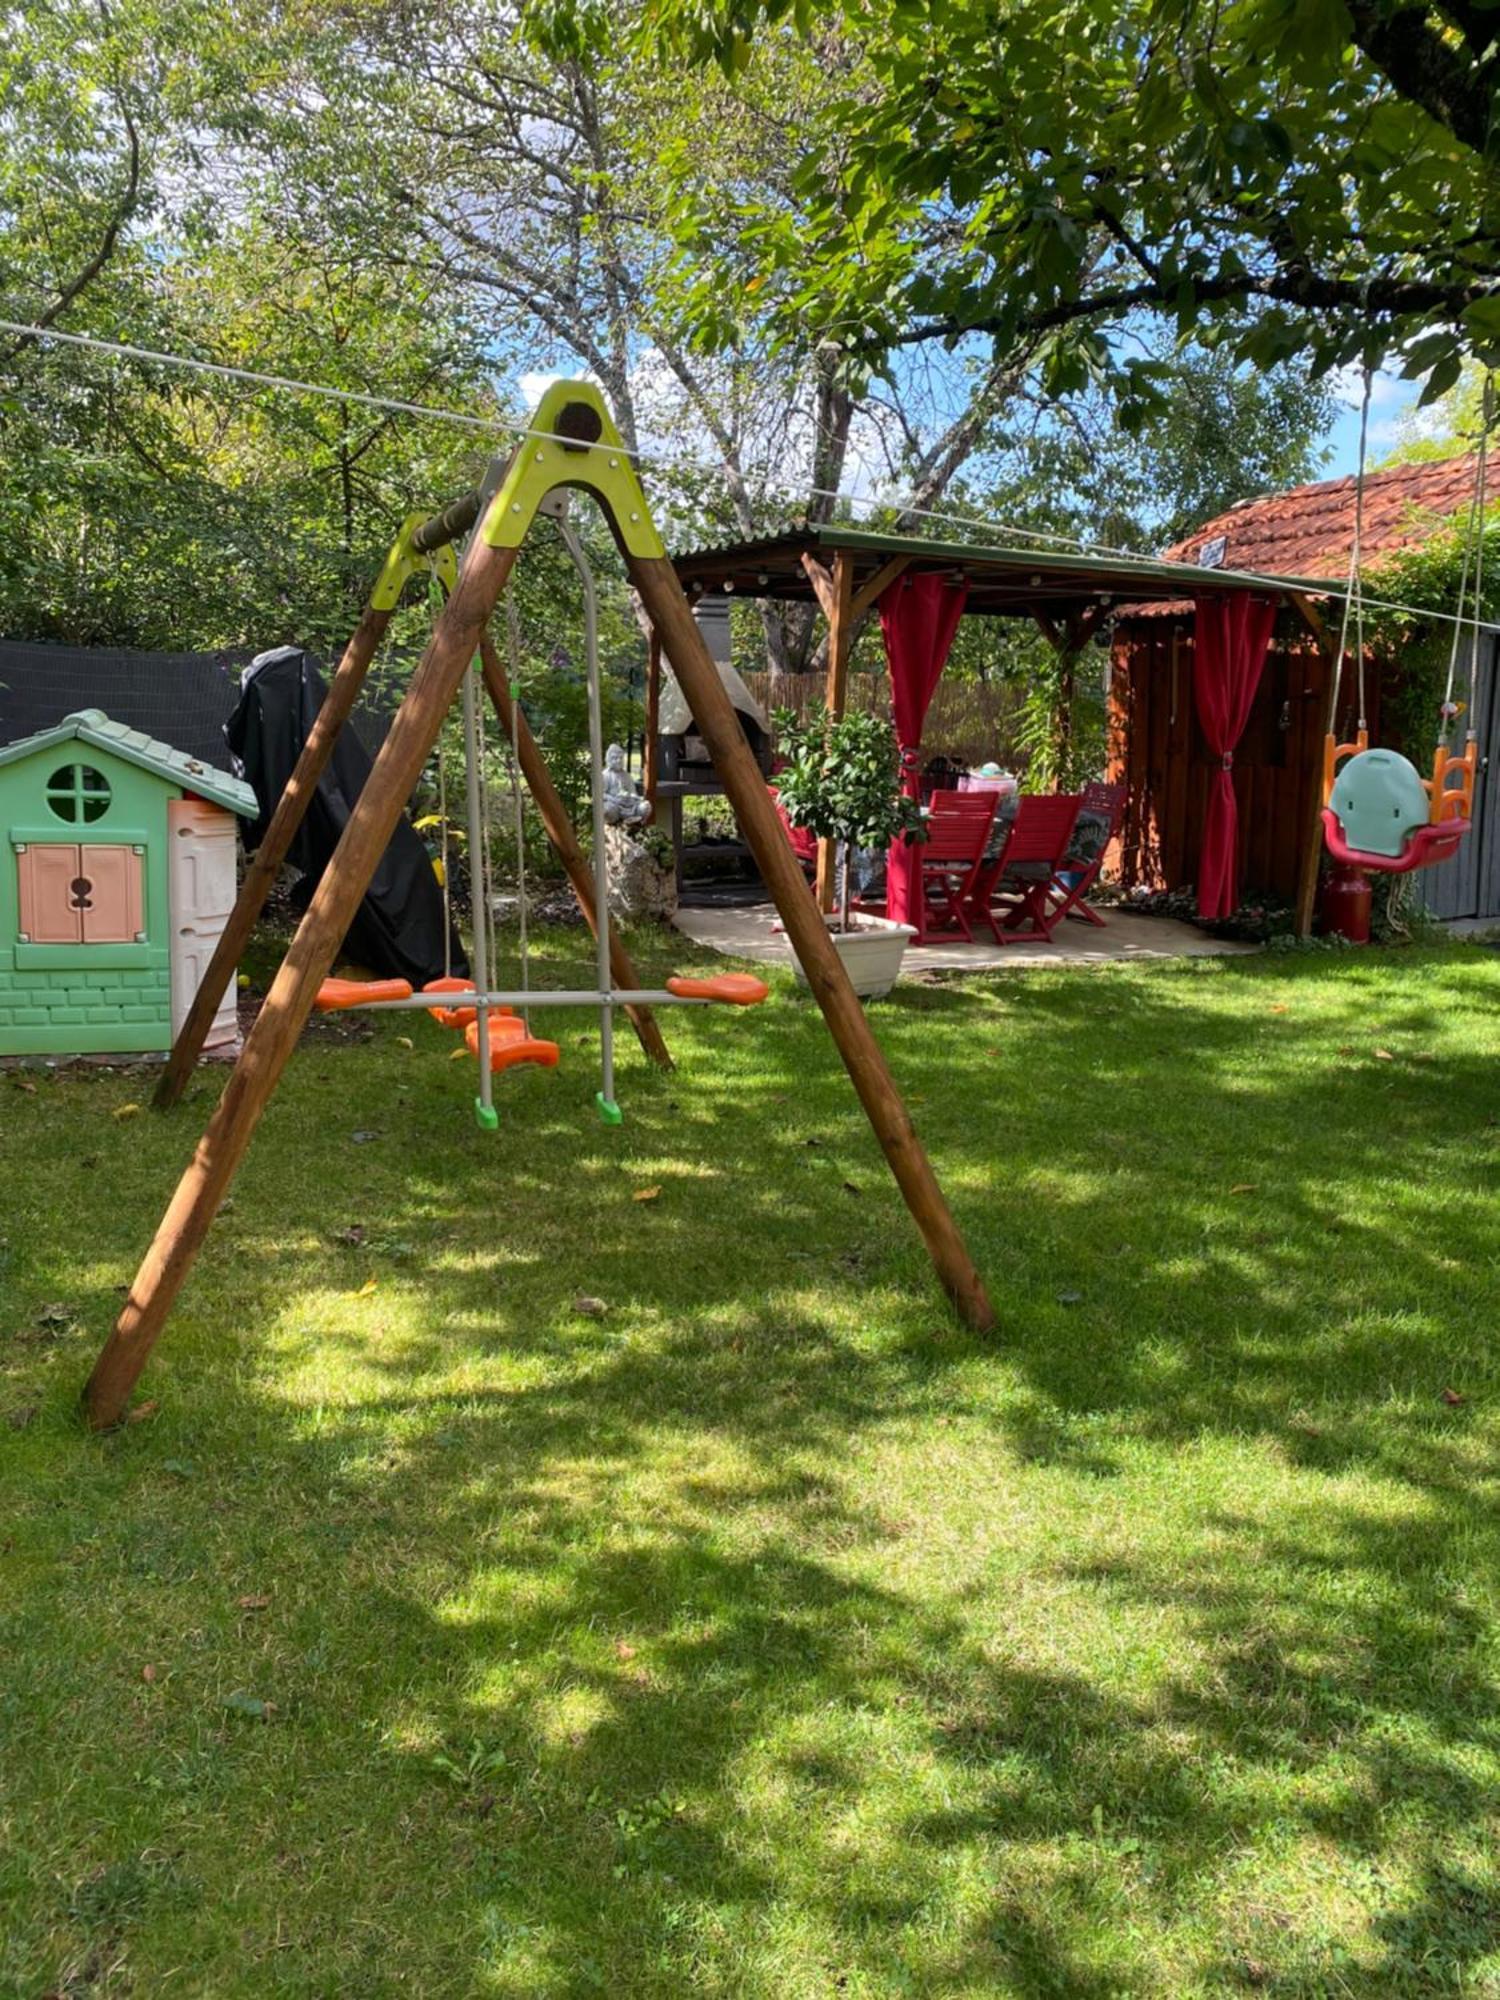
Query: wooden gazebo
point(847, 572)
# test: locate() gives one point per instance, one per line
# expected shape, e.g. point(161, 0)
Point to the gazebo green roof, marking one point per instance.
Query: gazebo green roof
point(1002, 580)
point(93, 727)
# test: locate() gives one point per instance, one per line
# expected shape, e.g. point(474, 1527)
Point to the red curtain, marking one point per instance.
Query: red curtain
point(918, 618)
point(1231, 632)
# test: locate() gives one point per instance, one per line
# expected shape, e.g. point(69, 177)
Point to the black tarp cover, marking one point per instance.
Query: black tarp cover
point(398, 930)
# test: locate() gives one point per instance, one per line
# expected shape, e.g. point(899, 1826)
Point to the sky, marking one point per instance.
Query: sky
point(1390, 399)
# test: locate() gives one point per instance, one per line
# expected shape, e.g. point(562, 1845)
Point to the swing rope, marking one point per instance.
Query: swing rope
point(609, 1110)
point(1354, 593)
point(513, 649)
point(435, 606)
point(486, 876)
point(1473, 547)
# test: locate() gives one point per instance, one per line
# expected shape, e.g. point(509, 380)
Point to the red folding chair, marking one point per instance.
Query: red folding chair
point(958, 831)
point(802, 843)
point(1075, 878)
point(1022, 877)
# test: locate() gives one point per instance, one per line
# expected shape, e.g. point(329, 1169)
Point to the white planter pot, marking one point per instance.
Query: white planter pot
point(872, 953)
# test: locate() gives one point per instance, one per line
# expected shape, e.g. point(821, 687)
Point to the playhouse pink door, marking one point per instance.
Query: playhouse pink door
point(79, 895)
point(110, 892)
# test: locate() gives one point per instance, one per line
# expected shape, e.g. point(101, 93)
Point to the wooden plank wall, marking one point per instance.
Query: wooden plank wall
point(1157, 748)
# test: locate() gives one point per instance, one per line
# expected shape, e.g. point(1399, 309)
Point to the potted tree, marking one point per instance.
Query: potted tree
point(841, 780)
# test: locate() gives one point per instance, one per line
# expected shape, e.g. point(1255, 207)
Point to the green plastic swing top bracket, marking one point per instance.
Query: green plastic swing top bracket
point(609, 1111)
point(486, 1117)
point(402, 563)
point(572, 441)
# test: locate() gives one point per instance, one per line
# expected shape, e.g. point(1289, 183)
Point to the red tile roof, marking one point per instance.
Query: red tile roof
point(1308, 532)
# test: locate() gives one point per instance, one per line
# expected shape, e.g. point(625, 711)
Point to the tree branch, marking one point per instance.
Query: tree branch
point(1377, 298)
point(121, 214)
point(1424, 67)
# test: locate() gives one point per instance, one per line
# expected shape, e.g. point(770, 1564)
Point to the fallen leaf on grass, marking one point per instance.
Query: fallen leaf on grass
point(590, 1308)
point(369, 1285)
point(1244, 1187)
point(142, 1413)
point(180, 1468)
point(363, 1136)
point(56, 1314)
point(255, 1601)
point(249, 1705)
point(1070, 1298)
point(646, 1194)
point(1452, 1398)
point(1280, 1007)
point(1384, 1055)
point(24, 1083)
point(354, 1235)
point(148, 1673)
point(123, 1111)
point(624, 1650)
point(405, 1042)
point(26, 1415)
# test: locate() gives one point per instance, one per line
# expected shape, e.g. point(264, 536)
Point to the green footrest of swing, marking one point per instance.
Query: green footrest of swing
point(608, 1111)
point(486, 1116)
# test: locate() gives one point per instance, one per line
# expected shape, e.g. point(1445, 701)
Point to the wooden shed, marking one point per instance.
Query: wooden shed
point(1157, 745)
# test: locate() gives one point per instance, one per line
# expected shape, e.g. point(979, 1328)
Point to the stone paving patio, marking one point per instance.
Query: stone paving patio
point(746, 932)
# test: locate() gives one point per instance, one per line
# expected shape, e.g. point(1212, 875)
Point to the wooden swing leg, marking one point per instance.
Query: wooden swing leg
point(554, 817)
point(261, 871)
point(661, 594)
point(290, 1000)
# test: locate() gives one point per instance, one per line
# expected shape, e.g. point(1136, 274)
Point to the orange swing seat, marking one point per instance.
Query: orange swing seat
point(334, 995)
point(735, 989)
point(451, 1017)
point(510, 1044)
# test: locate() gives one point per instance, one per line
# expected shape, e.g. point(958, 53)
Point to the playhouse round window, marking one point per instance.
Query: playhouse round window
point(78, 793)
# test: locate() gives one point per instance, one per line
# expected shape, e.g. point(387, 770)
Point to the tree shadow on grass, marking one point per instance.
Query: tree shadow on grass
point(723, 1747)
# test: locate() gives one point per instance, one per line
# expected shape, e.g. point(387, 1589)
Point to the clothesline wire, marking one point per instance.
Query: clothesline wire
point(518, 427)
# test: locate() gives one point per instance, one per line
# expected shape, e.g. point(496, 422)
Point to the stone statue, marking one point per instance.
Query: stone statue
point(623, 806)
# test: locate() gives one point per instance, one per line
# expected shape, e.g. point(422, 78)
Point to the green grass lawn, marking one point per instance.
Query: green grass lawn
point(766, 1634)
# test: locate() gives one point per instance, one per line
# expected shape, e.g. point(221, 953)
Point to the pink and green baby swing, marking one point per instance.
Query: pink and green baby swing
point(1380, 815)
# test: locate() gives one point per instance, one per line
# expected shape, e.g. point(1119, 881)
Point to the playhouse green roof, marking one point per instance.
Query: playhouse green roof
point(174, 767)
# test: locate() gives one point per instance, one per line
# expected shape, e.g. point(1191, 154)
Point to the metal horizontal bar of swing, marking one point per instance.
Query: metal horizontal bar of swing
point(563, 997)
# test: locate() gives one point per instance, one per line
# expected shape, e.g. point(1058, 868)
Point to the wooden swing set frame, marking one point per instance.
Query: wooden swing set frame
point(572, 442)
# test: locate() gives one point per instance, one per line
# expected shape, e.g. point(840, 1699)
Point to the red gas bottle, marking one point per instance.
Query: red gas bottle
point(1344, 905)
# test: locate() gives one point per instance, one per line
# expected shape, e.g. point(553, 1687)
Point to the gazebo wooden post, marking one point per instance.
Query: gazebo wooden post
point(554, 817)
point(265, 863)
point(653, 718)
point(290, 1000)
point(661, 593)
point(835, 594)
point(1312, 831)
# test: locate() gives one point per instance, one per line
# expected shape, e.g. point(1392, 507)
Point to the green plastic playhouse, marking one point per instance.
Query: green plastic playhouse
point(117, 872)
